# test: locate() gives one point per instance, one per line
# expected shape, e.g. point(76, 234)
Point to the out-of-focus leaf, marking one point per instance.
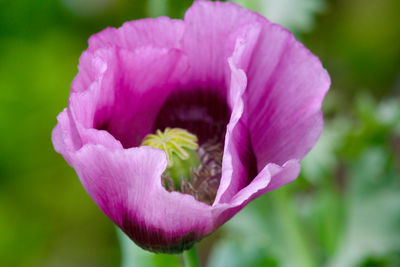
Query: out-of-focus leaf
point(246, 240)
point(268, 230)
point(157, 8)
point(322, 159)
point(296, 15)
point(373, 210)
point(233, 254)
point(391, 260)
point(88, 7)
point(375, 123)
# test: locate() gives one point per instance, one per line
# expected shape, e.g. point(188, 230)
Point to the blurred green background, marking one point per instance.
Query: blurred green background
point(344, 209)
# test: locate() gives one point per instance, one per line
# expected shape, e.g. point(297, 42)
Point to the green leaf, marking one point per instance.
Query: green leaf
point(373, 210)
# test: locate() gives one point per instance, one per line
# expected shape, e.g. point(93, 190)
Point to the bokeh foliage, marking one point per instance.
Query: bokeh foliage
point(344, 209)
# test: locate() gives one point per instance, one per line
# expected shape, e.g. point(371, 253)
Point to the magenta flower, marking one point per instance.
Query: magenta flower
point(245, 87)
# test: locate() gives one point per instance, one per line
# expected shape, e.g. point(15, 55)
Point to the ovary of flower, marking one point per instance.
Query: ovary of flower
point(174, 140)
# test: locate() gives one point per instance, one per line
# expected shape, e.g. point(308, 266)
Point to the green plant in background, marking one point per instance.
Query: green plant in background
point(345, 202)
point(296, 15)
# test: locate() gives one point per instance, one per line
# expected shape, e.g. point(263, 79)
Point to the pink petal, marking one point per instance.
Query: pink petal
point(270, 178)
point(287, 84)
point(161, 32)
point(210, 34)
point(63, 137)
point(126, 185)
point(128, 92)
point(257, 47)
point(214, 31)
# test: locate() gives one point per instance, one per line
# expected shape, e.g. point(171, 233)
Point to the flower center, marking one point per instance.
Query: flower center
point(179, 145)
point(192, 169)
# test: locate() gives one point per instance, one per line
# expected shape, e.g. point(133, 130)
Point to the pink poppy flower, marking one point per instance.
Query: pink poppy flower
point(244, 86)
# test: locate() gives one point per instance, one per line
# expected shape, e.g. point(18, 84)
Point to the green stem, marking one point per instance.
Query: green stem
point(294, 232)
point(190, 258)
